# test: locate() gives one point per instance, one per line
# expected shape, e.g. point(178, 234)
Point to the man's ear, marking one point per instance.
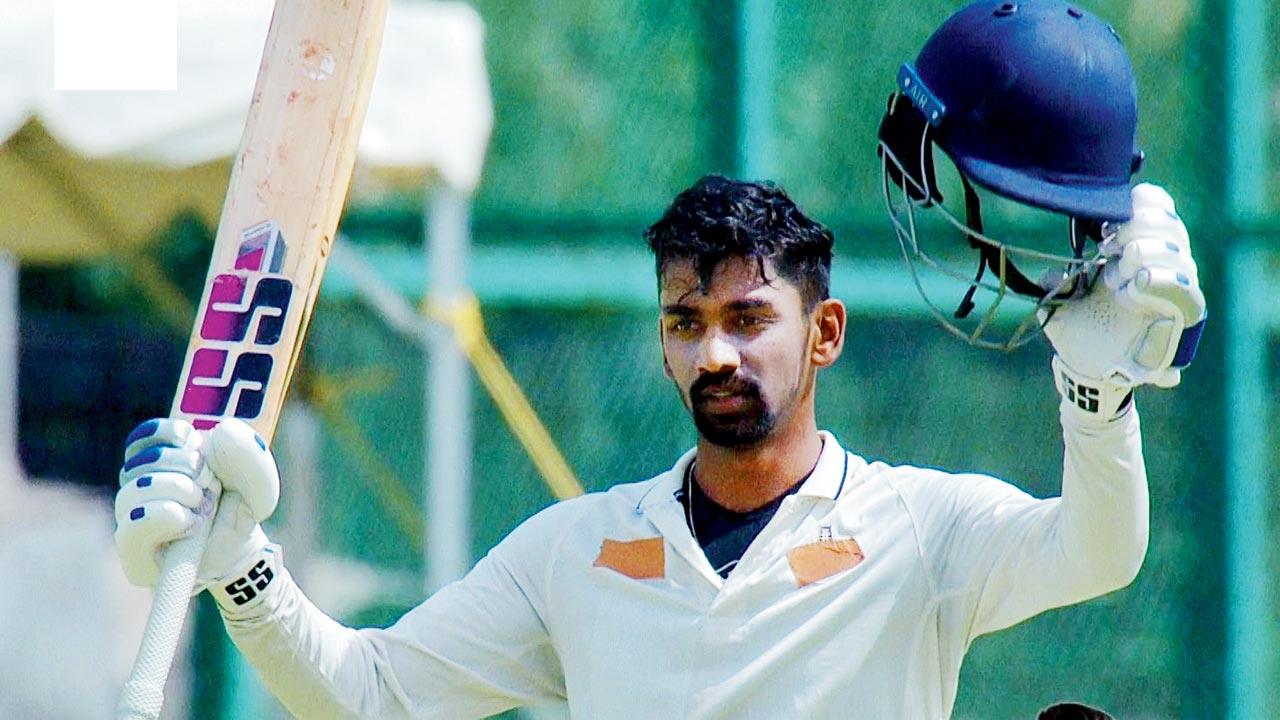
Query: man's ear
point(829, 319)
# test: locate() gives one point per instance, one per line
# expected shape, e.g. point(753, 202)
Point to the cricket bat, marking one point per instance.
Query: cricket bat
point(288, 185)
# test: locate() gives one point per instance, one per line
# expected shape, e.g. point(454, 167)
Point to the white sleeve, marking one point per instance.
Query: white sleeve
point(473, 649)
point(1008, 556)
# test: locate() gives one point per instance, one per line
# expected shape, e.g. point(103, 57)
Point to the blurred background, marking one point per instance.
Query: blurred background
point(402, 465)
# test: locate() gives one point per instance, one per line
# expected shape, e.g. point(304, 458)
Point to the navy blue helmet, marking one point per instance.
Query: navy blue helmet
point(1034, 101)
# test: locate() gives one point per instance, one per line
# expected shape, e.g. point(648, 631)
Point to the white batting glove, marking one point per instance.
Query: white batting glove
point(1140, 323)
point(170, 479)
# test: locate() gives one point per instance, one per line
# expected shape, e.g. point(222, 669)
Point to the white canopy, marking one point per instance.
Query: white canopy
point(82, 173)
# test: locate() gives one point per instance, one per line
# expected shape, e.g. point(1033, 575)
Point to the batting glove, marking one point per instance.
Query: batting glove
point(174, 476)
point(1141, 320)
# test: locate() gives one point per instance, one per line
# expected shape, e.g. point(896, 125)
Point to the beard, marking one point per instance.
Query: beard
point(743, 427)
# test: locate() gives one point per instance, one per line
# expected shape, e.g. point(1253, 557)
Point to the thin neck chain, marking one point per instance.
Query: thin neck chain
point(688, 494)
point(688, 513)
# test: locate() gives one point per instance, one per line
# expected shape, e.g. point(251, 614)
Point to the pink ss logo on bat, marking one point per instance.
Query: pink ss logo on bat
point(244, 316)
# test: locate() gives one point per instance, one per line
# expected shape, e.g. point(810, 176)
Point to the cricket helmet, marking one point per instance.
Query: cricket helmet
point(1034, 101)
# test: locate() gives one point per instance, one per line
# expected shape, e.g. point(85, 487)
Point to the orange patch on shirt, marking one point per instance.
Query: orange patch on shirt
point(816, 561)
point(637, 559)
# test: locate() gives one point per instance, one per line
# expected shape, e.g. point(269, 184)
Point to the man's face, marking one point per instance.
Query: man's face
point(738, 350)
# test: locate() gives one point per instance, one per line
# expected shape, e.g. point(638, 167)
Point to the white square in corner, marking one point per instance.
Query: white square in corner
point(115, 45)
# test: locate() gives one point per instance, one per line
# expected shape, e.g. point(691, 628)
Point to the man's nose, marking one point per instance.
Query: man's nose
point(717, 354)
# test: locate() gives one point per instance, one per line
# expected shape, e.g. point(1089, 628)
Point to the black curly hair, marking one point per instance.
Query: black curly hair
point(719, 218)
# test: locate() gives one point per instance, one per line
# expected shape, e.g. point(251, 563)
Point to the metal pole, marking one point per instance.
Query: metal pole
point(298, 448)
point(447, 431)
point(757, 145)
point(10, 469)
point(1249, 671)
point(1248, 107)
point(1249, 666)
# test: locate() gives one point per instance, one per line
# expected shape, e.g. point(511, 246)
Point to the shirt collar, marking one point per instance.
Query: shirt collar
point(826, 480)
point(666, 484)
point(828, 476)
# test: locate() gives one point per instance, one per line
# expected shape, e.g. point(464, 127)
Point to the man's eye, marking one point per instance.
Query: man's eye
point(750, 321)
point(681, 325)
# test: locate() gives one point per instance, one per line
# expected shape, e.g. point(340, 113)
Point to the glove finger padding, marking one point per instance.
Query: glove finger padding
point(170, 486)
point(1144, 252)
point(163, 484)
point(161, 433)
point(164, 458)
point(143, 531)
point(1172, 292)
point(241, 461)
point(1142, 321)
point(1149, 222)
point(1155, 262)
point(1152, 206)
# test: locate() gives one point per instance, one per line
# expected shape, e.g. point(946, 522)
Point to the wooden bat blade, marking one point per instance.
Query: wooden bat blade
point(287, 189)
point(281, 213)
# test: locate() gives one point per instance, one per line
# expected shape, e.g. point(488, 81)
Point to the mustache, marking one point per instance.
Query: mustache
point(723, 382)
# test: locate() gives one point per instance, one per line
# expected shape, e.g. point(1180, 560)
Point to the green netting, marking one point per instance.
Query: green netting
point(615, 88)
point(609, 108)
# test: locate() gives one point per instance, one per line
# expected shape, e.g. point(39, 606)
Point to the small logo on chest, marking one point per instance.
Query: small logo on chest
point(643, 559)
point(820, 560)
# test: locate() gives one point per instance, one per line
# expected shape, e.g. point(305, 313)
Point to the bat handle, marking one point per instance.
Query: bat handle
point(143, 693)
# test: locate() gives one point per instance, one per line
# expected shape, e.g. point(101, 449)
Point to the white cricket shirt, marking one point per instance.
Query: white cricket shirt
point(857, 600)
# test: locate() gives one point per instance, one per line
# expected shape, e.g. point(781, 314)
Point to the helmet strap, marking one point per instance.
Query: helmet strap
point(906, 133)
point(973, 219)
point(992, 256)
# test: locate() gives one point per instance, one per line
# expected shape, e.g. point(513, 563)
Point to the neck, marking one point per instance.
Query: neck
point(742, 479)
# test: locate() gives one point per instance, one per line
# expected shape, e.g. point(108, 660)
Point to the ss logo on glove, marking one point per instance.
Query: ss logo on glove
point(244, 589)
point(1085, 397)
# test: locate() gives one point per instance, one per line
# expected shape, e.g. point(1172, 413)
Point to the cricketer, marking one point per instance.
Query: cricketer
point(772, 572)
